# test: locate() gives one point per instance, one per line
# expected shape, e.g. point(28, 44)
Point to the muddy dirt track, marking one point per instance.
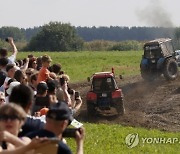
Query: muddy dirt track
point(148, 105)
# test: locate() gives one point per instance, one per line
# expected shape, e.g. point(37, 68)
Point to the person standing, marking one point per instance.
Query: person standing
point(44, 73)
point(4, 52)
point(24, 96)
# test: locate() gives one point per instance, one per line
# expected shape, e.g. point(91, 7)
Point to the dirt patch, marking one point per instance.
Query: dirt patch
point(149, 105)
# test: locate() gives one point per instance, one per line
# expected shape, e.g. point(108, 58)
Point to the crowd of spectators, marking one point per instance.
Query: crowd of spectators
point(36, 104)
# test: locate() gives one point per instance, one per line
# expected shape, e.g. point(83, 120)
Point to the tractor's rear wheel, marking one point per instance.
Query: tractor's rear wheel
point(120, 108)
point(170, 69)
point(90, 109)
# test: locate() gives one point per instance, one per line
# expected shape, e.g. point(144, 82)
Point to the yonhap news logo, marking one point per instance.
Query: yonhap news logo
point(133, 139)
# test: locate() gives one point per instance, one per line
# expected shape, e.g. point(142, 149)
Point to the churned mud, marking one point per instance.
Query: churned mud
point(150, 105)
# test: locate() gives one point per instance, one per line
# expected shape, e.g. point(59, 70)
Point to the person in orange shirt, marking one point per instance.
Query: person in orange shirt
point(44, 73)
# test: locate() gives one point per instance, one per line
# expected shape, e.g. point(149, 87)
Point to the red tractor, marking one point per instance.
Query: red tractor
point(104, 94)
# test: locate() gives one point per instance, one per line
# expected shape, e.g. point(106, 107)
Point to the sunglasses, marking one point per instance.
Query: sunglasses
point(10, 117)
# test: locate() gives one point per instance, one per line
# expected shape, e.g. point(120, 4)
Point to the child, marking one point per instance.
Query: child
point(44, 73)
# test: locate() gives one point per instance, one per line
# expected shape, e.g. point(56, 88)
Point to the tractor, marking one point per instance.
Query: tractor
point(104, 94)
point(159, 59)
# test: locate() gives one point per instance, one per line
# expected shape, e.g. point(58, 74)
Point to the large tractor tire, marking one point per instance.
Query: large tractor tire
point(90, 109)
point(170, 69)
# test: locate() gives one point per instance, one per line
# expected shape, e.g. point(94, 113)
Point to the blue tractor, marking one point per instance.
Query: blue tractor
point(159, 59)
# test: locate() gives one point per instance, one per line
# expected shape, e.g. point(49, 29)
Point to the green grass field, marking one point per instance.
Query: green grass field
point(103, 138)
point(80, 65)
point(110, 139)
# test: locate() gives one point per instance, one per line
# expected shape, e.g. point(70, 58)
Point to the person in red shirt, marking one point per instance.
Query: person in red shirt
point(44, 73)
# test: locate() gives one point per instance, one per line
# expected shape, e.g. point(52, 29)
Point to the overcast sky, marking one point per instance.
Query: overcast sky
point(30, 13)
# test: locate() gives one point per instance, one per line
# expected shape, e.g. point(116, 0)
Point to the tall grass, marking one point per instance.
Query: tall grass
point(80, 65)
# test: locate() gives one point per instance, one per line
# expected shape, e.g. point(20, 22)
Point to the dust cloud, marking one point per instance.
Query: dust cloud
point(154, 14)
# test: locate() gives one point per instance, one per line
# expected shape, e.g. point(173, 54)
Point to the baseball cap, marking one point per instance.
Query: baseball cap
point(60, 111)
point(11, 86)
point(52, 85)
point(42, 86)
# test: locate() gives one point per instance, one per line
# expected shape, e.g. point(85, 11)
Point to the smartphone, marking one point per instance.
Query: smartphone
point(62, 81)
point(77, 95)
point(70, 132)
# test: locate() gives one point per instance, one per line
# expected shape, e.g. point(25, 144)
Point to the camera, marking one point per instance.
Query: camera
point(77, 94)
point(70, 132)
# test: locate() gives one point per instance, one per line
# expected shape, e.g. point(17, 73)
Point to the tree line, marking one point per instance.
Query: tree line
point(112, 33)
point(57, 36)
point(115, 33)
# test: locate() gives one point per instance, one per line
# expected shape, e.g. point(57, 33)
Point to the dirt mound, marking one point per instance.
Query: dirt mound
point(150, 105)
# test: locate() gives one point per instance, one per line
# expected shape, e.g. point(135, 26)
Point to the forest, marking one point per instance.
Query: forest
point(112, 33)
point(57, 36)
